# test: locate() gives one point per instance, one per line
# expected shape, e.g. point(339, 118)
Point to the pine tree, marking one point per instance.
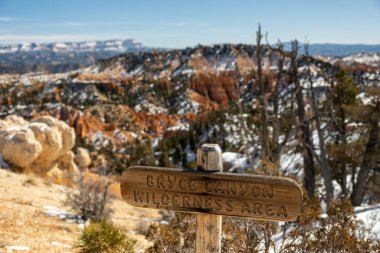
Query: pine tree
point(164, 160)
point(192, 140)
point(343, 93)
point(177, 156)
point(142, 154)
point(369, 115)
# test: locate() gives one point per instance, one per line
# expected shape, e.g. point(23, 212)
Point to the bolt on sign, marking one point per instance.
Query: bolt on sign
point(259, 197)
point(211, 193)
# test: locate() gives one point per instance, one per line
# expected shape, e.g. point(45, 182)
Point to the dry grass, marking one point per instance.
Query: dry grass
point(23, 221)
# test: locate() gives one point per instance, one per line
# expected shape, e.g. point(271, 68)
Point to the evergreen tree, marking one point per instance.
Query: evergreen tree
point(192, 140)
point(177, 156)
point(369, 115)
point(142, 154)
point(343, 93)
point(164, 160)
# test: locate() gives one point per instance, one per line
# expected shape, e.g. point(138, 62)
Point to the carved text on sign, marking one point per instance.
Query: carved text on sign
point(261, 197)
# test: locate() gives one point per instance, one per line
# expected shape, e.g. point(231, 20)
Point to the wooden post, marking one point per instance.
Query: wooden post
point(209, 226)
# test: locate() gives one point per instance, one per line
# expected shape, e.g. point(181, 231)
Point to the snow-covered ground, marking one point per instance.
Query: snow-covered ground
point(369, 217)
point(236, 161)
point(16, 248)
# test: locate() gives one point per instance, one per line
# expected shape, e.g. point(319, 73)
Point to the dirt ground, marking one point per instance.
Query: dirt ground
point(32, 216)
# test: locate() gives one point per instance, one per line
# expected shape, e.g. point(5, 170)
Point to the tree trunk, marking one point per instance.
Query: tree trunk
point(276, 150)
point(325, 168)
point(306, 144)
point(343, 164)
point(357, 195)
point(261, 97)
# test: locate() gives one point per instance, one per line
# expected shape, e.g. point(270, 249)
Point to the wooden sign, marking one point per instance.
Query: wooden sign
point(211, 194)
point(259, 197)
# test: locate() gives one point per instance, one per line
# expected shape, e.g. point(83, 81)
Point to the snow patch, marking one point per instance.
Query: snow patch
point(237, 161)
point(16, 248)
point(55, 212)
point(58, 244)
point(150, 108)
point(370, 219)
point(68, 217)
point(181, 126)
point(367, 58)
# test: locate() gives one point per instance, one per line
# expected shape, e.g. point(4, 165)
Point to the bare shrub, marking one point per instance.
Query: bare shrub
point(175, 235)
point(92, 198)
point(247, 235)
point(335, 231)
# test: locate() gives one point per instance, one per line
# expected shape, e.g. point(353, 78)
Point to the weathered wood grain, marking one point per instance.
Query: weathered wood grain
point(259, 197)
point(209, 226)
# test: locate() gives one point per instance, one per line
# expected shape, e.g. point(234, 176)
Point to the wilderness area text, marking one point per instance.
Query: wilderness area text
point(170, 190)
point(206, 203)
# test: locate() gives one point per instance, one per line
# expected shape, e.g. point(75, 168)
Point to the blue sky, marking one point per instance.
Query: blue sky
point(180, 23)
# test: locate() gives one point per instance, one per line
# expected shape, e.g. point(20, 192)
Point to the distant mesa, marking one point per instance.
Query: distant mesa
point(338, 50)
point(84, 46)
point(58, 57)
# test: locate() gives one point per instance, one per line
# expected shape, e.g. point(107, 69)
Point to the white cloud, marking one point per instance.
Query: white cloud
point(7, 19)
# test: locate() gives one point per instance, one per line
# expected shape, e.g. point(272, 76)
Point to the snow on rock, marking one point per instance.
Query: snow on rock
point(97, 138)
point(180, 126)
point(364, 98)
point(150, 108)
point(367, 58)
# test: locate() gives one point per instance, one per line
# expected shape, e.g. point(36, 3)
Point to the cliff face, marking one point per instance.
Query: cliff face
point(218, 87)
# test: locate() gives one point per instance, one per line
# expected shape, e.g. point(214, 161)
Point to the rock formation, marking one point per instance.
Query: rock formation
point(83, 158)
point(42, 146)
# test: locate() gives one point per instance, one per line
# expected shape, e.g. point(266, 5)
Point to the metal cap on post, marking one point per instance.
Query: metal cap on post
point(209, 226)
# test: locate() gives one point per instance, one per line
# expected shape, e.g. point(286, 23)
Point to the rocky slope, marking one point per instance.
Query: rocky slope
point(132, 97)
point(156, 97)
